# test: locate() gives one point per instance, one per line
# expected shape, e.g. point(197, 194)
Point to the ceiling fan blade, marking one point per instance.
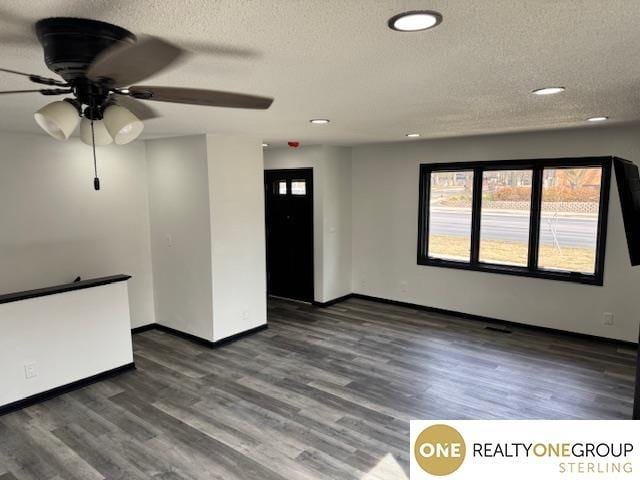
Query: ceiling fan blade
point(130, 63)
point(195, 96)
point(43, 91)
point(139, 109)
point(36, 78)
point(19, 91)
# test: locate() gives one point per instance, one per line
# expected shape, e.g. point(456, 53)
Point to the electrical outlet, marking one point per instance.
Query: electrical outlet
point(245, 314)
point(30, 371)
point(169, 240)
point(404, 286)
point(607, 318)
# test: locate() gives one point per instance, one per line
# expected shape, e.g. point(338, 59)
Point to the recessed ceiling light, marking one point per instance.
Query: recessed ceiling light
point(319, 121)
point(597, 119)
point(548, 91)
point(265, 144)
point(413, 135)
point(415, 21)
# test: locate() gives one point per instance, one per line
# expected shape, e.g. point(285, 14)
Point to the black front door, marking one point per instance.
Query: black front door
point(289, 224)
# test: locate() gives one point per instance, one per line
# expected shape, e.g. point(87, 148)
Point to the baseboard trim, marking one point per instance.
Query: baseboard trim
point(187, 336)
point(470, 316)
point(497, 321)
point(332, 302)
point(54, 392)
point(199, 340)
point(144, 328)
point(295, 300)
point(238, 336)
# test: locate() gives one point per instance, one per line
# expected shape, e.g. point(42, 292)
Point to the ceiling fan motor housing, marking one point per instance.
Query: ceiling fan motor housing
point(72, 44)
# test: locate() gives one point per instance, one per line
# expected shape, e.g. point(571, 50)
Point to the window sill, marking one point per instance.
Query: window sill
point(518, 271)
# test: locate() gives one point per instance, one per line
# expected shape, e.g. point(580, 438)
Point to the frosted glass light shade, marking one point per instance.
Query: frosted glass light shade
point(123, 126)
point(99, 129)
point(58, 119)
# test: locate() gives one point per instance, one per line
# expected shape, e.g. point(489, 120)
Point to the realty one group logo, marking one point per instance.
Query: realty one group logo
point(440, 450)
point(525, 450)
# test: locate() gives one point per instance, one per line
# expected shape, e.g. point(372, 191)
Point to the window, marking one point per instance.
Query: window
point(569, 219)
point(505, 214)
point(538, 218)
point(298, 187)
point(282, 187)
point(450, 218)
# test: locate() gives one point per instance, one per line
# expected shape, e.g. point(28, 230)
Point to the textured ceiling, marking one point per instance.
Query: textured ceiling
point(337, 59)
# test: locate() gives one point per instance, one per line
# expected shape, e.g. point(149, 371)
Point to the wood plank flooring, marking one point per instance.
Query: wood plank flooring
point(322, 394)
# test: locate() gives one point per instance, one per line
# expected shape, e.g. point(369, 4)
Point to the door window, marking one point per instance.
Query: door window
point(298, 187)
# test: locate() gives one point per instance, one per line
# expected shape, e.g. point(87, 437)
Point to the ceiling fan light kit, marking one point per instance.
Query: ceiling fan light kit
point(99, 63)
point(123, 126)
point(100, 134)
point(58, 119)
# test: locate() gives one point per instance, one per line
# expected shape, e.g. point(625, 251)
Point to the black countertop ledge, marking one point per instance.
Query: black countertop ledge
point(67, 287)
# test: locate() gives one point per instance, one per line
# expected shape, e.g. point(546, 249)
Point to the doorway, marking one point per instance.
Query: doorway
point(289, 233)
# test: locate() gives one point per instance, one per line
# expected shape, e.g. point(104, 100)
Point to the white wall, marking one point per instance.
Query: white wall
point(180, 233)
point(55, 227)
point(336, 223)
point(154, 198)
point(236, 199)
point(331, 211)
point(66, 337)
point(385, 212)
point(207, 234)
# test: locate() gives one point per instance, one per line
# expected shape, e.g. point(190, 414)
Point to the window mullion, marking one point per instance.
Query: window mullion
point(424, 212)
point(534, 220)
point(476, 205)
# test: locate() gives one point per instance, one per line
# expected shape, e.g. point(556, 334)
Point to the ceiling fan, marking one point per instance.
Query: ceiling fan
point(99, 64)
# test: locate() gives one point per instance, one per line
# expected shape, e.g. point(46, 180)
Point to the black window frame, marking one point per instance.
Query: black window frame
point(537, 166)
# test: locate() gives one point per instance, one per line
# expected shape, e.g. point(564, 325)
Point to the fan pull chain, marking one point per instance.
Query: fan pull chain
point(96, 180)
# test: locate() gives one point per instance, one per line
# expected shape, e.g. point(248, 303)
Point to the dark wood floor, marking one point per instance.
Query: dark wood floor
point(322, 394)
